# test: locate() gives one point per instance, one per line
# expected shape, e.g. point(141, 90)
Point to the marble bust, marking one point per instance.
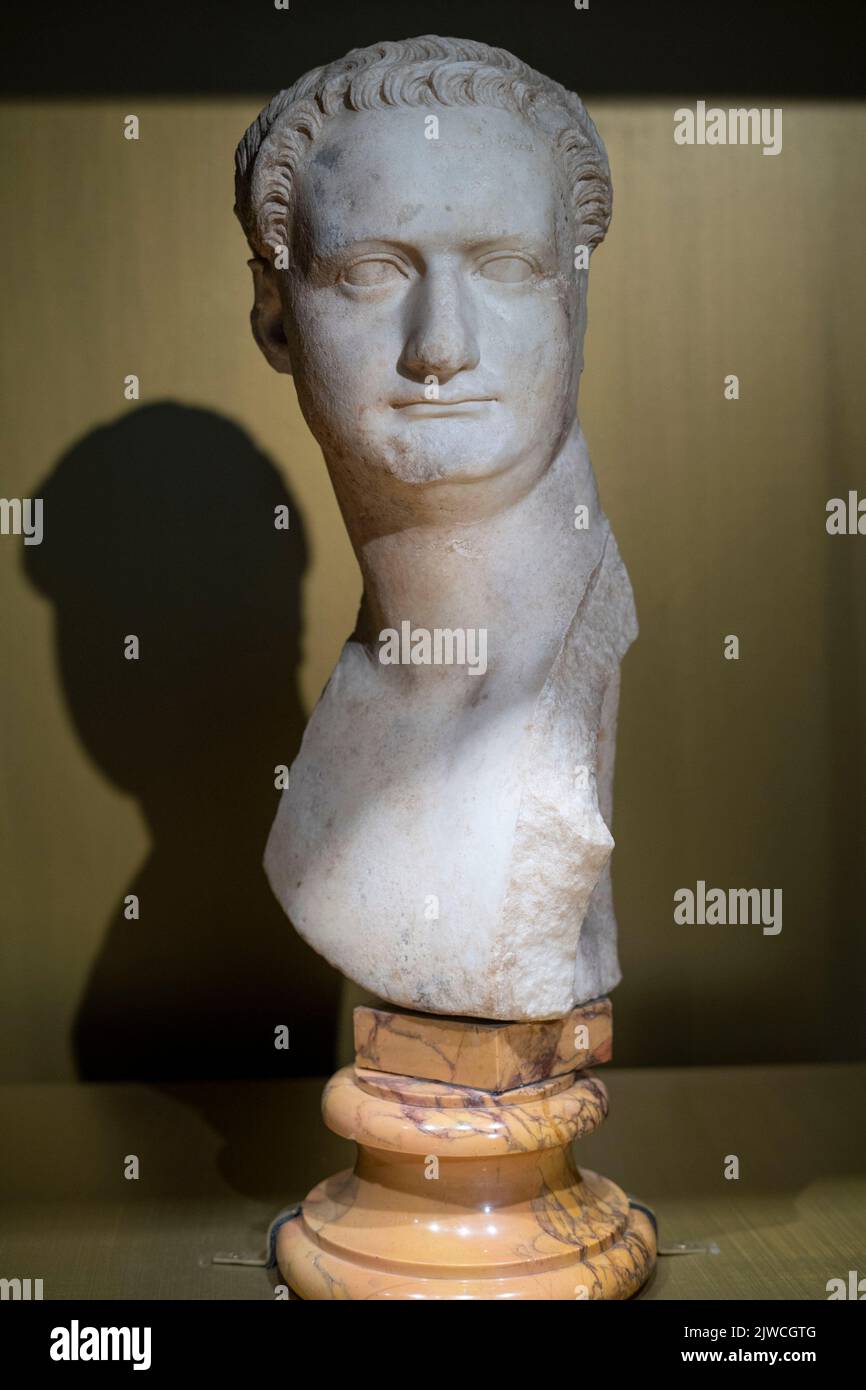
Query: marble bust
point(421, 215)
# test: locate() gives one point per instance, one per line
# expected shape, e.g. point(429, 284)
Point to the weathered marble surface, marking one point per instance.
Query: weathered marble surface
point(445, 836)
point(490, 1056)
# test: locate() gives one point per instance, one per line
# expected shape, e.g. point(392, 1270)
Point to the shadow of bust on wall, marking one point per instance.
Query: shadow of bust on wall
point(161, 525)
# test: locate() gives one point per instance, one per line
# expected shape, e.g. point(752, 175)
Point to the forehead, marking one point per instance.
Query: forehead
point(375, 175)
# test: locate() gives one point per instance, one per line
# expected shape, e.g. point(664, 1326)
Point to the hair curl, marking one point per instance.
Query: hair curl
point(416, 72)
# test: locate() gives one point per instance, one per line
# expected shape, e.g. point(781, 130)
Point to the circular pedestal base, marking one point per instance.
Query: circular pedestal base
point(315, 1272)
point(460, 1194)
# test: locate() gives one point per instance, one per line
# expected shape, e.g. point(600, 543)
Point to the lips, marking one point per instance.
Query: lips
point(440, 400)
point(458, 405)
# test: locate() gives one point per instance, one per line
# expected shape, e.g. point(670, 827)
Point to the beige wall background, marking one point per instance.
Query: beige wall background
point(124, 257)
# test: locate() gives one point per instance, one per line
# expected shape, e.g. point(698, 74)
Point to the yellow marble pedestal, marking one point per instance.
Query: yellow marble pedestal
point(462, 1192)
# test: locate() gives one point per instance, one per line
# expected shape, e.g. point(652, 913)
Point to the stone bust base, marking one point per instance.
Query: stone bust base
point(461, 1192)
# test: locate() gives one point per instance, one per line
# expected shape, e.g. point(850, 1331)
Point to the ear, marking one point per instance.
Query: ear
point(267, 315)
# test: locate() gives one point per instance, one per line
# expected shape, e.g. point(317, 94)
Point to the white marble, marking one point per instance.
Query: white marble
point(445, 836)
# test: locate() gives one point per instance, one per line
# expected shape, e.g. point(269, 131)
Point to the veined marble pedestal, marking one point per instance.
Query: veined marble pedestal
point(468, 1191)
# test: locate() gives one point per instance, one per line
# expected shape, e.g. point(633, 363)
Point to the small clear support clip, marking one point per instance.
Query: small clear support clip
point(269, 1259)
point(691, 1247)
point(229, 1257)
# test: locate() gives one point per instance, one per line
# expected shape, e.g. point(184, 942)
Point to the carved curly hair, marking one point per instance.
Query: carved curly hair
point(418, 72)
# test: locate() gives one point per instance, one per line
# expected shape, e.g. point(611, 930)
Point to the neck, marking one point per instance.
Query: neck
point(518, 573)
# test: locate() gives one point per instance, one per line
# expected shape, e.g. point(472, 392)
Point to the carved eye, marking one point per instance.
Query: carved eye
point(375, 271)
point(508, 270)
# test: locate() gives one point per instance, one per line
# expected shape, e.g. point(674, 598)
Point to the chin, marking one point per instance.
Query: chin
point(427, 470)
point(459, 452)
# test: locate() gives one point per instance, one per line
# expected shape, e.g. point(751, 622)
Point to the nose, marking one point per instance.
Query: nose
point(442, 337)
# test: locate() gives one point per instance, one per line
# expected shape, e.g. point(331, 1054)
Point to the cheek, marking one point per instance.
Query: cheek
point(349, 355)
point(536, 362)
point(539, 323)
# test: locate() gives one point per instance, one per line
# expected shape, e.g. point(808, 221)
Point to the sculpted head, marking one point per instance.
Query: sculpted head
point(413, 211)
